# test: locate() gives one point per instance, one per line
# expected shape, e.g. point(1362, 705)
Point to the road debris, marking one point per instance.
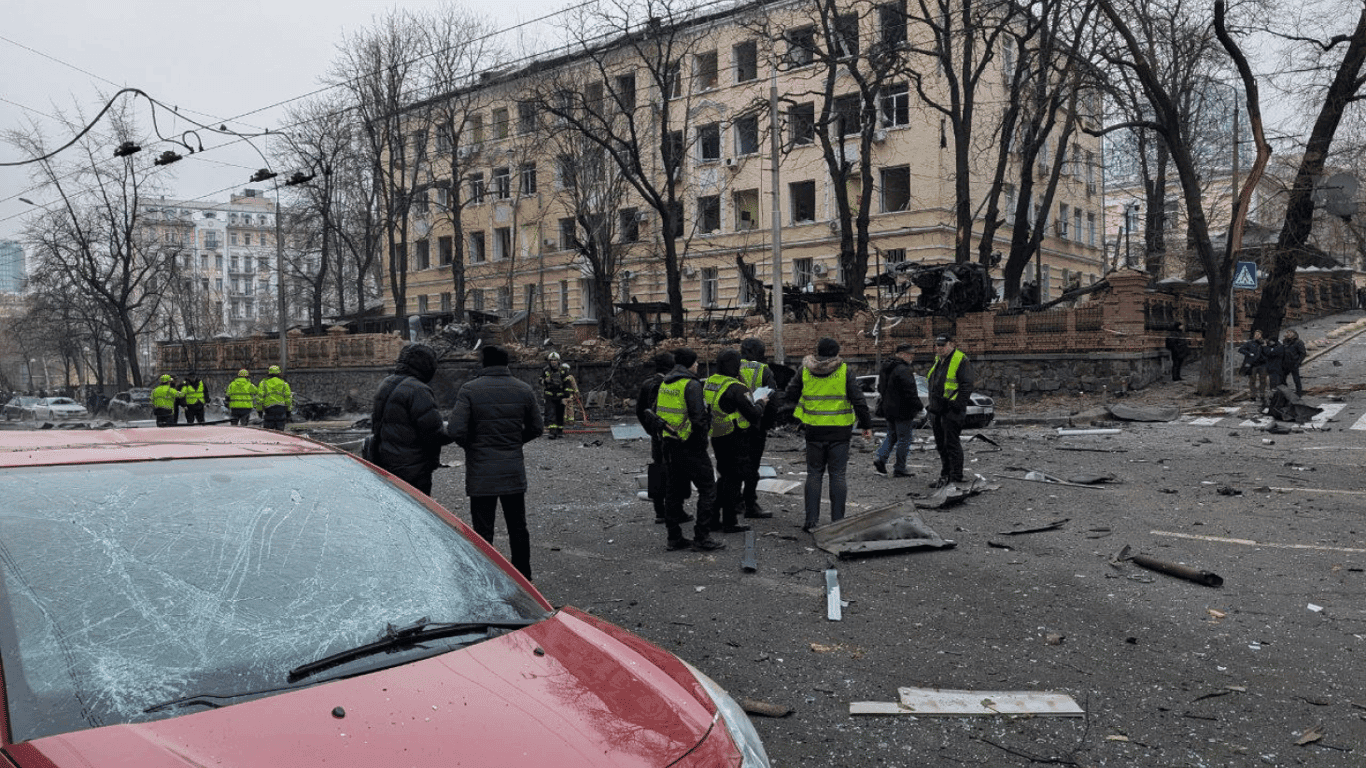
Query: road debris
point(749, 562)
point(1053, 526)
point(1186, 572)
point(756, 707)
point(953, 703)
point(953, 493)
point(892, 528)
point(1135, 413)
point(833, 604)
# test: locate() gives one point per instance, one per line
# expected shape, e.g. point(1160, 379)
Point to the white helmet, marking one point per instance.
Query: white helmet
point(553, 357)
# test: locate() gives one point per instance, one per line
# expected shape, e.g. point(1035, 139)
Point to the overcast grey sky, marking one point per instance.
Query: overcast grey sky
point(215, 61)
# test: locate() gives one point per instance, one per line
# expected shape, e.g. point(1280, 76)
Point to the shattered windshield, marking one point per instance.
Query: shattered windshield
point(127, 585)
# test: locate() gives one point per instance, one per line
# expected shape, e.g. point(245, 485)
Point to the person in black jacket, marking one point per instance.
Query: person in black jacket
point(406, 430)
point(1180, 349)
point(495, 415)
point(1295, 353)
point(682, 406)
point(656, 481)
point(731, 406)
point(1274, 355)
point(756, 374)
point(1254, 367)
point(899, 404)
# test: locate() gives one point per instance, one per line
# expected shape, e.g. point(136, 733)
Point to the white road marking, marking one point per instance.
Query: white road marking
point(1360, 423)
point(1254, 543)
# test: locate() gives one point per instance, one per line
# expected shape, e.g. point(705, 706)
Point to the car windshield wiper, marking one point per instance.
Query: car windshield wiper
point(395, 638)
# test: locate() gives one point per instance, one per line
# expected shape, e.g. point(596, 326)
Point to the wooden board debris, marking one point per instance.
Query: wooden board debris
point(937, 702)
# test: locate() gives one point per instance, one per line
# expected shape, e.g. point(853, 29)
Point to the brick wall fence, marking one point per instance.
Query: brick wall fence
point(1112, 339)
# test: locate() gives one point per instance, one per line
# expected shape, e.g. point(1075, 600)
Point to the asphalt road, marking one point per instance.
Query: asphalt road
point(1168, 672)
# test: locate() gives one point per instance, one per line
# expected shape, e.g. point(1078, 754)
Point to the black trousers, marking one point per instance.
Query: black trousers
point(732, 462)
point(688, 464)
point(484, 513)
point(758, 441)
point(194, 413)
point(554, 413)
point(241, 416)
point(165, 417)
point(948, 429)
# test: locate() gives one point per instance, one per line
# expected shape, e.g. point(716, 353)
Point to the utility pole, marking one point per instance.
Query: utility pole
point(777, 215)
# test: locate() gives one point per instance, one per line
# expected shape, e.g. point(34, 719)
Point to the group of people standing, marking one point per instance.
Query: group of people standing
point(731, 410)
point(495, 414)
point(272, 399)
point(1268, 364)
point(685, 415)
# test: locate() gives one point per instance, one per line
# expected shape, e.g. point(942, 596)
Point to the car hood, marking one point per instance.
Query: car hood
point(569, 691)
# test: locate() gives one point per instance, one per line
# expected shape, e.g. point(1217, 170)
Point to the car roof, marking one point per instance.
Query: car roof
point(29, 448)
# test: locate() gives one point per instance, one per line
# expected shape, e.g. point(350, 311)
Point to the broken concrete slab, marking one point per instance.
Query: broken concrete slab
point(1125, 412)
point(893, 528)
point(954, 703)
point(771, 485)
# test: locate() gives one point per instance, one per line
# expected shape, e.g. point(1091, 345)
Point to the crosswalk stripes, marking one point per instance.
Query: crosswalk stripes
point(1328, 411)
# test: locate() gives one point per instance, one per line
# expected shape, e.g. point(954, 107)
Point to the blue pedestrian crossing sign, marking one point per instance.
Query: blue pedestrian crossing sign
point(1245, 275)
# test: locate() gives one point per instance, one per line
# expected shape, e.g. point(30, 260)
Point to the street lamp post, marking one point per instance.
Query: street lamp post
point(266, 174)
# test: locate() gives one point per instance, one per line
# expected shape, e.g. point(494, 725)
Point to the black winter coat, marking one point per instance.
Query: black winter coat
point(495, 415)
point(900, 398)
point(410, 431)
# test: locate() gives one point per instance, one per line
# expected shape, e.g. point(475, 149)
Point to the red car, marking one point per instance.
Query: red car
point(236, 597)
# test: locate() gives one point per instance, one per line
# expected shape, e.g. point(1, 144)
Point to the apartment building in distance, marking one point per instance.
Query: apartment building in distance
point(225, 260)
point(13, 272)
point(520, 180)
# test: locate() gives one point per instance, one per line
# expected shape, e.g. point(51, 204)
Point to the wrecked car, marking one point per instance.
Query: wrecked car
point(239, 597)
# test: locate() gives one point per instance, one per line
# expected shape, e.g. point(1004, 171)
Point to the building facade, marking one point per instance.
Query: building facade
point(225, 263)
point(535, 198)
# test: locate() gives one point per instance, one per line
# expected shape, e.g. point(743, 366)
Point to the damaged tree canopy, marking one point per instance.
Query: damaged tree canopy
point(947, 290)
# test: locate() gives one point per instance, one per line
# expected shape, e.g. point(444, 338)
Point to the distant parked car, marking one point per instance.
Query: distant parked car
point(58, 408)
point(19, 408)
point(133, 404)
point(980, 413)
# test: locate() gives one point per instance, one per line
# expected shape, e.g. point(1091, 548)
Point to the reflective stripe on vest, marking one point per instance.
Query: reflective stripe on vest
point(194, 394)
point(752, 373)
point(164, 396)
point(241, 393)
point(722, 423)
point(824, 402)
point(274, 391)
point(671, 406)
point(951, 380)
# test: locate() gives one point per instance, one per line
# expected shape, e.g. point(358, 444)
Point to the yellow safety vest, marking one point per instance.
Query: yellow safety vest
point(671, 406)
point(194, 394)
point(164, 396)
point(274, 391)
point(722, 423)
point(752, 373)
point(951, 380)
point(241, 393)
point(824, 402)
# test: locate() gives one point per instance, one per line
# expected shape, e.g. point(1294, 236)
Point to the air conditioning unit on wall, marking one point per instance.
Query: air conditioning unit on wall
point(818, 269)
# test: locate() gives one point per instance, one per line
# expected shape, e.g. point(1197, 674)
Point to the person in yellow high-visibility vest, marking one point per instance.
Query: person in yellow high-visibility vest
point(755, 373)
point(195, 395)
point(241, 398)
point(734, 416)
point(163, 401)
point(274, 399)
point(681, 407)
point(950, 381)
point(829, 402)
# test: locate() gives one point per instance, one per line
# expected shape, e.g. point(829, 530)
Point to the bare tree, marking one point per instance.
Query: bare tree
point(96, 233)
point(1343, 89)
point(379, 69)
point(640, 119)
